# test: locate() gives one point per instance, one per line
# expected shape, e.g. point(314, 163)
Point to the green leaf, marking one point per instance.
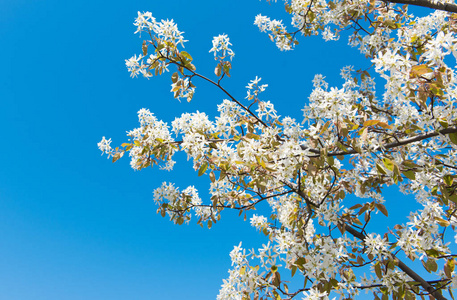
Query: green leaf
point(436, 90)
point(341, 194)
point(252, 136)
point(453, 198)
point(174, 77)
point(410, 164)
point(293, 270)
point(388, 164)
point(448, 179)
point(381, 169)
point(186, 55)
point(377, 269)
point(227, 69)
point(242, 270)
point(300, 262)
point(409, 296)
point(191, 67)
point(385, 293)
point(430, 265)
point(330, 160)
point(443, 122)
point(432, 252)
point(355, 206)
point(276, 294)
point(453, 137)
point(449, 267)
point(397, 170)
point(203, 168)
point(444, 192)
point(409, 174)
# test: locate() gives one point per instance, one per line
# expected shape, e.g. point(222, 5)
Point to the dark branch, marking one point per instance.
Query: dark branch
point(391, 145)
point(426, 3)
point(402, 267)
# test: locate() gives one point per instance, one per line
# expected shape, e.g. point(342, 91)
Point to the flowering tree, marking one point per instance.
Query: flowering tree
point(353, 140)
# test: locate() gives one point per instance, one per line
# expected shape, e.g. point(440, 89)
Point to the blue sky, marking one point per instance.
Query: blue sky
point(72, 224)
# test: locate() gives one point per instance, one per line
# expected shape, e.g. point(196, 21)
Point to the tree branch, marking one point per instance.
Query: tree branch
point(427, 3)
point(390, 145)
point(402, 266)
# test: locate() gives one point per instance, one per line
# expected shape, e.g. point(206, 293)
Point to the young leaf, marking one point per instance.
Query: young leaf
point(203, 168)
point(388, 164)
point(409, 174)
point(186, 55)
point(117, 156)
point(377, 269)
point(449, 267)
point(419, 70)
point(174, 77)
point(382, 208)
point(145, 48)
point(453, 137)
point(370, 123)
point(212, 177)
point(442, 221)
point(217, 70)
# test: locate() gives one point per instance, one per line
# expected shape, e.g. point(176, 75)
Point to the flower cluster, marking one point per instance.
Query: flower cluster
point(277, 29)
point(104, 146)
point(254, 89)
point(354, 140)
point(221, 47)
point(166, 30)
